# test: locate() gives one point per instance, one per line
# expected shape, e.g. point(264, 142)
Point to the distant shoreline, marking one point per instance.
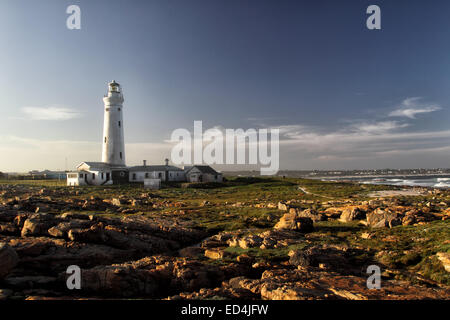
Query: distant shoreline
point(380, 176)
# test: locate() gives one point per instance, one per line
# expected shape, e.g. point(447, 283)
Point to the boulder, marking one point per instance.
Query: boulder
point(292, 221)
point(5, 293)
point(323, 258)
point(408, 220)
point(191, 252)
point(250, 241)
point(350, 214)
point(310, 213)
point(380, 218)
point(94, 234)
point(444, 257)
point(74, 215)
point(282, 206)
point(215, 254)
point(8, 259)
point(37, 225)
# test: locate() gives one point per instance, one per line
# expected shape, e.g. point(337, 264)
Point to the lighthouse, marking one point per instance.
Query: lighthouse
point(113, 151)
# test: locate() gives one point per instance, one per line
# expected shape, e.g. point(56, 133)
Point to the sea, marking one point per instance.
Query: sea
point(440, 181)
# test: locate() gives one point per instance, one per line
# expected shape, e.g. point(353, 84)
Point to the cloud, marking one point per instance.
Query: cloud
point(359, 140)
point(377, 127)
point(25, 153)
point(51, 113)
point(410, 107)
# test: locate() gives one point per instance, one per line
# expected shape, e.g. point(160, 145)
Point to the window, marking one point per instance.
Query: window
point(102, 175)
point(81, 175)
point(146, 175)
point(134, 176)
point(159, 175)
point(105, 139)
point(119, 109)
point(93, 176)
point(119, 124)
point(120, 155)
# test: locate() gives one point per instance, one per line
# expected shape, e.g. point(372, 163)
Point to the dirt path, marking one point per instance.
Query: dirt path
point(313, 194)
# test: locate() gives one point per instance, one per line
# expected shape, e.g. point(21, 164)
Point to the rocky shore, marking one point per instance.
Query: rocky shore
point(148, 246)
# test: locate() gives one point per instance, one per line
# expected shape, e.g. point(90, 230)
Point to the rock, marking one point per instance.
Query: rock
point(191, 252)
point(8, 259)
point(94, 234)
point(321, 257)
point(136, 203)
point(244, 258)
point(367, 235)
point(72, 215)
point(205, 203)
point(26, 282)
point(215, 253)
point(9, 228)
point(292, 221)
point(34, 227)
point(444, 257)
point(312, 214)
point(118, 202)
point(408, 220)
point(233, 242)
point(250, 241)
point(350, 214)
point(61, 230)
point(5, 293)
point(290, 292)
point(155, 276)
point(347, 294)
point(380, 218)
point(282, 206)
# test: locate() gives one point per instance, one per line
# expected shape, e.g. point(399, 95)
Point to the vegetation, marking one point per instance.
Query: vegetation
point(236, 205)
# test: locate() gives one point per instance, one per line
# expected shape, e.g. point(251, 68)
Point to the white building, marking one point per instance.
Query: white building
point(96, 174)
point(162, 172)
point(113, 169)
point(113, 138)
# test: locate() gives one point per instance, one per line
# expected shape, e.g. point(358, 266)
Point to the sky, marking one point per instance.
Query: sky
point(343, 96)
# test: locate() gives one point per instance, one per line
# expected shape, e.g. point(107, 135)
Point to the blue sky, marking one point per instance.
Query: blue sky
point(343, 96)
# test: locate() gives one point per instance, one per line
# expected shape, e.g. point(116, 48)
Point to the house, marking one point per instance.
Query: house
point(161, 172)
point(201, 173)
point(97, 173)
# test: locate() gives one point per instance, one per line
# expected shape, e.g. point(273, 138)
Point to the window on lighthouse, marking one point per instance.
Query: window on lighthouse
point(120, 155)
point(119, 124)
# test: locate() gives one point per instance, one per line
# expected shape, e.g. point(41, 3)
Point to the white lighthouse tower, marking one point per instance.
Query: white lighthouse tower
point(113, 152)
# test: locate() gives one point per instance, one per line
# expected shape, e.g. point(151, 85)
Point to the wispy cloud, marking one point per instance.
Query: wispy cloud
point(52, 113)
point(376, 127)
point(410, 107)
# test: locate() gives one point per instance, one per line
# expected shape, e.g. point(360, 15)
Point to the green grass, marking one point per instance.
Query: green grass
point(411, 249)
point(38, 183)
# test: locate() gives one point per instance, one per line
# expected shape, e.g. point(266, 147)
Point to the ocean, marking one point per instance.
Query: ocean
point(440, 181)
